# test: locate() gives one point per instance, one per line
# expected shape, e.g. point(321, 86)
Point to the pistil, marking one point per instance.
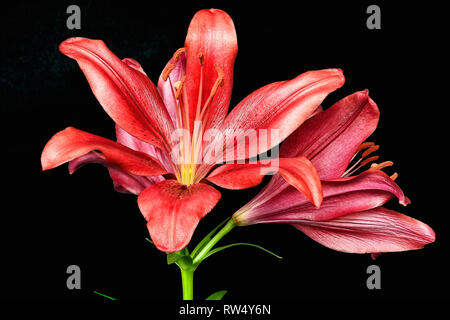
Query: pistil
point(190, 147)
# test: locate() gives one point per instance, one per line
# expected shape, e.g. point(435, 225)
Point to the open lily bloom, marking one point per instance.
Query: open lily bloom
point(161, 131)
point(350, 218)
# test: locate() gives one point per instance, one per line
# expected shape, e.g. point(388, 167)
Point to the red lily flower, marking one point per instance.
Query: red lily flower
point(350, 218)
point(192, 97)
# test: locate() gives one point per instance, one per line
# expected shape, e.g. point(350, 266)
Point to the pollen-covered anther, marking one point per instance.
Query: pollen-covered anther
point(364, 145)
point(394, 176)
point(369, 160)
point(381, 165)
point(201, 58)
point(167, 70)
point(177, 54)
point(179, 87)
point(372, 149)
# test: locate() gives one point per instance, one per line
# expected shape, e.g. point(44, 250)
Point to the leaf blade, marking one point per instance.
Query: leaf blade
point(241, 244)
point(217, 295)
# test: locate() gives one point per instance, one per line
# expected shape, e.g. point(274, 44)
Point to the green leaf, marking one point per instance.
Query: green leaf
point(241, 244)
point(208, 237)
point(173, 257)
point(104, 295)
point(217, 295)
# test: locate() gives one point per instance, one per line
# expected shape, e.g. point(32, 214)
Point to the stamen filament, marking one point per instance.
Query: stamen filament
point(219, 82)
point(352, 169)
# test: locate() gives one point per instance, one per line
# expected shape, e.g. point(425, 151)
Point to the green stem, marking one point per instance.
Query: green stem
point(204, 251)
point(187, 280)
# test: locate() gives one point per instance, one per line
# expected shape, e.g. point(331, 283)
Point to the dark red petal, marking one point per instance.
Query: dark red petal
point(72, 143)
point(372, 231)
point(212, 34)
point(122, 180)
point(343, 196)
point(173, 211)
point(298, 172)
point(331, 138)
point(124, 91)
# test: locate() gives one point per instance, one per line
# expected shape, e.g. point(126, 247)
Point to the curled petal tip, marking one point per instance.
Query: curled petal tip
point(318, 202)
point(65, 45)
point(404, 201)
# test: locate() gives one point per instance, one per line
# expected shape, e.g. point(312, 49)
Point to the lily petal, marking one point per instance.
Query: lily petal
point(211, 33)
point(173, 211)
point(123, 181)
point(373, 231)
point(368, 190)
point(282, 106)
point(72, 143)
point(331, 138)
point(134, 143)
point(125, 92)
point(298, 172)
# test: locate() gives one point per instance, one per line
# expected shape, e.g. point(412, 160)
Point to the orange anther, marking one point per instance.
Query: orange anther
point(364, 145)
point(167, 70)
point(179, 87)
point(382, 165)
point(201, 58)
point(368, 160)
point(177, 54)
point(394, 176)
point(369, 151)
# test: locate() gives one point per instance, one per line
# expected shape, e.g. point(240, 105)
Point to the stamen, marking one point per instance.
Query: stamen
point(361, 147)
point(371, 147)
point(219, 83)
point(364, 145)
point(179, 87)
point(177, 54)
point(394, 176)
point(370, 150)
point(381, 165)
point(200, 87)
point(368, 160)
point(201, 58)
point(221, 76)
point(167, 70)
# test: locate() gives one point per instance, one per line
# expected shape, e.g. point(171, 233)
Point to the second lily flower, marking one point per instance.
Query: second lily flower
point(351, 217)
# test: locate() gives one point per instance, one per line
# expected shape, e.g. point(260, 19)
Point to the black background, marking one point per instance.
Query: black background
point(51, 220)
